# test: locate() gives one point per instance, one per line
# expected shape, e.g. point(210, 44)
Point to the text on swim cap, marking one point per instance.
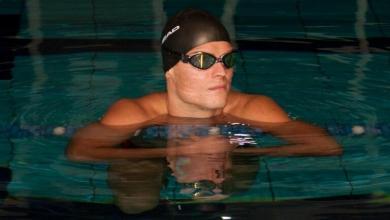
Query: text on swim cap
point(173, 30)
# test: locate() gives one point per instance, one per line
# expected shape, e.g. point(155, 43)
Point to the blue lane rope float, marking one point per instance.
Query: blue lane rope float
point(26, 131)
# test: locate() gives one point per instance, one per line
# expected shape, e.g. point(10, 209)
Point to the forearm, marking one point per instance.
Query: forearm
point(86, 153)
point(292, 150)
point(302, 139)
point(99, 142)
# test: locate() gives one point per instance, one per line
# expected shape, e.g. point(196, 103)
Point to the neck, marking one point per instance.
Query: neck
point(178, 108)
point(197, 112)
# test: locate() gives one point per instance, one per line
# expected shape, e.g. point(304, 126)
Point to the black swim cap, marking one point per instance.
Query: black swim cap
point(187, 29)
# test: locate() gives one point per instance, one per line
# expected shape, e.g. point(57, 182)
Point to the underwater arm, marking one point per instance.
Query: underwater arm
point(100, 142)
point(303, 140)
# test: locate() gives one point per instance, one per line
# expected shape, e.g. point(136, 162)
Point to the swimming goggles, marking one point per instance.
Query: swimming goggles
point(203, 60)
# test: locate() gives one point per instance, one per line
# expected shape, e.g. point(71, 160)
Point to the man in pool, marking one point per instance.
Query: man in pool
point(198, 60)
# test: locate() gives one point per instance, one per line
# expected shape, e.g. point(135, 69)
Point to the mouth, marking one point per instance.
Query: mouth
point(219, 87)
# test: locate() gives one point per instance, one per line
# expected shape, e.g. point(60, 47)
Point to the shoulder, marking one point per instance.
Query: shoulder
point(255, 107)
point(133, 111)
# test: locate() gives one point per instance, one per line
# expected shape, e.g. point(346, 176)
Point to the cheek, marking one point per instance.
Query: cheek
point(189, 81)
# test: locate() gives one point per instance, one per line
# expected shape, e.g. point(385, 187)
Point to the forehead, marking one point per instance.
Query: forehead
point(215, 47)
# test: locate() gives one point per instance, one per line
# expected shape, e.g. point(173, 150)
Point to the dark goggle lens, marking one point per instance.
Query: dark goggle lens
point(229, 59)
point(204, 60)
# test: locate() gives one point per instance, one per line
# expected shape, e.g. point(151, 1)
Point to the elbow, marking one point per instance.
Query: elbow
point(334, 149)
point(337, 151)
point(325, 148)
point(71, 153)
point(75, 154)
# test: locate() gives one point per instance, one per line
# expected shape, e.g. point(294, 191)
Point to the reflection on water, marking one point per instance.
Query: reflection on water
point(193, 160)
point(139, 185)
point(136, 184)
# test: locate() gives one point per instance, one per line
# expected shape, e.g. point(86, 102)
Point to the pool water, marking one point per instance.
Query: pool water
point(63, 64)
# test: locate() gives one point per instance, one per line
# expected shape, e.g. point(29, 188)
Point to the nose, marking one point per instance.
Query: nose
point(219, 69)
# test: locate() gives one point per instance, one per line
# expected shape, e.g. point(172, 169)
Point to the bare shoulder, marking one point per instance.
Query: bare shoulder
point(133, 111)
point(255, 107)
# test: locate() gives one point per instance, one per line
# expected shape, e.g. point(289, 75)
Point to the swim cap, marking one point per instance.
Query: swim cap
point(187, 29)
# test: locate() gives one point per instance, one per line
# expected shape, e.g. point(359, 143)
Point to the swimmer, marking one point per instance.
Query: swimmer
point(198, 59)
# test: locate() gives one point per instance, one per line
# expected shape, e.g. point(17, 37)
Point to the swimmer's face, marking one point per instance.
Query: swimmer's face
point(201, 89)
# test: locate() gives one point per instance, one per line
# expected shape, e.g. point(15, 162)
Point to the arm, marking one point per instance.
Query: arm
point(303, 139)
point(98, 141)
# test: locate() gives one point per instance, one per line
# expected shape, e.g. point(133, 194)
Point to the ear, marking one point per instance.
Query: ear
point(169, 74)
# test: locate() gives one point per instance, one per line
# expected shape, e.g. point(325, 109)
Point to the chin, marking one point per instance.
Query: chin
point(216, 104)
